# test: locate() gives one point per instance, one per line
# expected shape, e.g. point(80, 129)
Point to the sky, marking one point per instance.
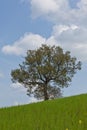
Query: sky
point(27, 24)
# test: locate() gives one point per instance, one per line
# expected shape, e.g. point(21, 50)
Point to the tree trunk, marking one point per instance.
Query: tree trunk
point(46, 97)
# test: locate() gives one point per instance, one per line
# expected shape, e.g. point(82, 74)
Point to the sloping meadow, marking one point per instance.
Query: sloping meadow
point(61, 114)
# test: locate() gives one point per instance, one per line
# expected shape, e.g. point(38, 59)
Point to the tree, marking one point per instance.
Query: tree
point(45, 71)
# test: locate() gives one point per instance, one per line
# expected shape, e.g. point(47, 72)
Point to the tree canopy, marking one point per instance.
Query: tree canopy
point(45, 71)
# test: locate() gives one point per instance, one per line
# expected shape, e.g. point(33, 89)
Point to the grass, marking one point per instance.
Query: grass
point(61, 114)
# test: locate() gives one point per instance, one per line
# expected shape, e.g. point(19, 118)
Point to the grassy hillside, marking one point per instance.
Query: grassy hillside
point(61, 114)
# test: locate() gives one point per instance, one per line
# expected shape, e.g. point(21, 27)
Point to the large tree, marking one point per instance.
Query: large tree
point(45, 71)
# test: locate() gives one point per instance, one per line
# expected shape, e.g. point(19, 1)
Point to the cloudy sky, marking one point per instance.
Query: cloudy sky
point(26, 24)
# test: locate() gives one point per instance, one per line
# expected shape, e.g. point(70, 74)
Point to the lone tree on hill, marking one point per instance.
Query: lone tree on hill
point(45, 71)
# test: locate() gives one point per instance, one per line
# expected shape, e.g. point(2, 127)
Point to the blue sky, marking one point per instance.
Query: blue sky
point(26, 24)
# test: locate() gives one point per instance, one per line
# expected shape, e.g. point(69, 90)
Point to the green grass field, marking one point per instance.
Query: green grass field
point(62, 114)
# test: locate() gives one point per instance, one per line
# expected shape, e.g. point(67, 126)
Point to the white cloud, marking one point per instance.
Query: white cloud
point(59, 29)
point(82, 4)
point(72, 38)
point(12, 49)
point(28, 41)
point(48, 7)
point(69, 30)
point(43, 7)
point(72, 34)
point(60, 11)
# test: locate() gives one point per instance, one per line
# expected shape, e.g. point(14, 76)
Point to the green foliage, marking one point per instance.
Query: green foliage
point(60, 114)
point(45, 71)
